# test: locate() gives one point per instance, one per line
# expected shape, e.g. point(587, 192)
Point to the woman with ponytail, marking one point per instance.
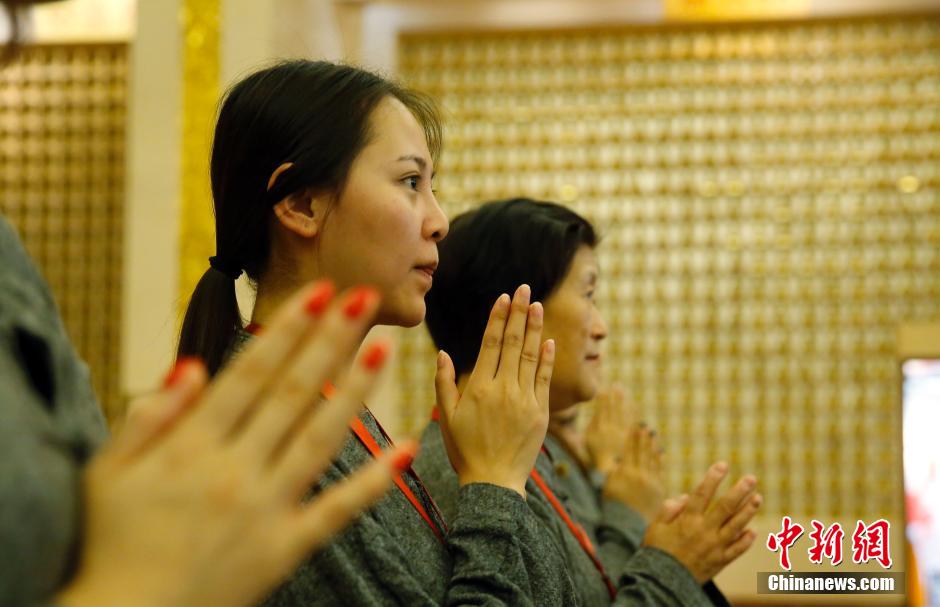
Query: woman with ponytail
point(138, 519)
point(323, 172)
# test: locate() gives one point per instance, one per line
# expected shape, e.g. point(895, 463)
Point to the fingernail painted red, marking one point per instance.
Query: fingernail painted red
point(357, 301)
point(320, 298)
point(375, 356)
point(402, 460)
point(173, 377)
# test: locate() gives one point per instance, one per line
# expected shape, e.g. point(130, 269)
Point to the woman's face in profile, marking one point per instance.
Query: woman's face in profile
point(574, 322)
point(384, 229)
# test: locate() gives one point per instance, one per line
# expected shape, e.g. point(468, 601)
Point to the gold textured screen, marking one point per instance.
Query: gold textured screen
point(62, 116)
point(769, 200)
point(201, 64)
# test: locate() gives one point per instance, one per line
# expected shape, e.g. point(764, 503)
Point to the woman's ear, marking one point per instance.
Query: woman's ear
point(301, 213)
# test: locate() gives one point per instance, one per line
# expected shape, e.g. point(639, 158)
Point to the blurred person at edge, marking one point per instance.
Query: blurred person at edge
point(672, 559)
point(175, 511)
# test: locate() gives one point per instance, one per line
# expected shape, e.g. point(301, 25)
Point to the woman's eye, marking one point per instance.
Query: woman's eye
point(590, 295)
point(412, 181)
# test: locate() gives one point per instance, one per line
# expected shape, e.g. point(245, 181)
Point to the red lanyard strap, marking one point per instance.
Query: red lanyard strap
point(368, 441)
point(576, 530)
point(366, 438)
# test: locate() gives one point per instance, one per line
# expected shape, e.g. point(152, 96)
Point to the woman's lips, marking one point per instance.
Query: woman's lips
point(426, 273)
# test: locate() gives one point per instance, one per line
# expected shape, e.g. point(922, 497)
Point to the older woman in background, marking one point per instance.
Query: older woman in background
point(550, 249)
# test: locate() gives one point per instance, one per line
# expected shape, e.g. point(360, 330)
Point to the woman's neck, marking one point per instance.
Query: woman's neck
point(267, 301)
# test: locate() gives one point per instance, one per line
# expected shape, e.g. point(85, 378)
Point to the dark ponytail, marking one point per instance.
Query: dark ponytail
point(212, 320)
point(314, 114)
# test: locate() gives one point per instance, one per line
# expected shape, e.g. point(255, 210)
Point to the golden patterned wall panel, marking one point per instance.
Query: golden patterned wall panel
point(200, 25)
point(62, 117)
point(769, 196)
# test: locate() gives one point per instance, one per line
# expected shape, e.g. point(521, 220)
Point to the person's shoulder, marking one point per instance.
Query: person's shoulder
point(554, 447)
point(25, 298)
point(565, 465)
point(16, 261)
point(7, 234)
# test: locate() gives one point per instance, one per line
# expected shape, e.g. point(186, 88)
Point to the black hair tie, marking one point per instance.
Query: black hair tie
point(225, 266)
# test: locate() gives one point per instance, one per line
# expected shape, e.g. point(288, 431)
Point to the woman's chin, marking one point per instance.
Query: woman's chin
point(588, 391)
point(411, 314)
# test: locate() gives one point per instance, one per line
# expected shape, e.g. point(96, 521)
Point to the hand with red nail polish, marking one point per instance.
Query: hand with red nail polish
point(359, 300)
point(405, 455)
point(319, 297)
point(198, 501)
point(493, 430)
point(375, 355)
point(705, 534)
point(148, 416)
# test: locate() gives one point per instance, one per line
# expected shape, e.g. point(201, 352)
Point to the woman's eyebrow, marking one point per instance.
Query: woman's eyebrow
point(418, 160)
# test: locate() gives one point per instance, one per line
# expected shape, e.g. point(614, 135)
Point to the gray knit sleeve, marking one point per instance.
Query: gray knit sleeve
point(656, 578)
point(502, 554)
point(619, 535)
point(619, 516)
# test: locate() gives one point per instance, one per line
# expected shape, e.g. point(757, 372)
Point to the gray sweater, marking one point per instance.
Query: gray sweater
point(50, 424)
point(618, 528)
point(642, 575)
point(496, 552)
point(583, 488)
